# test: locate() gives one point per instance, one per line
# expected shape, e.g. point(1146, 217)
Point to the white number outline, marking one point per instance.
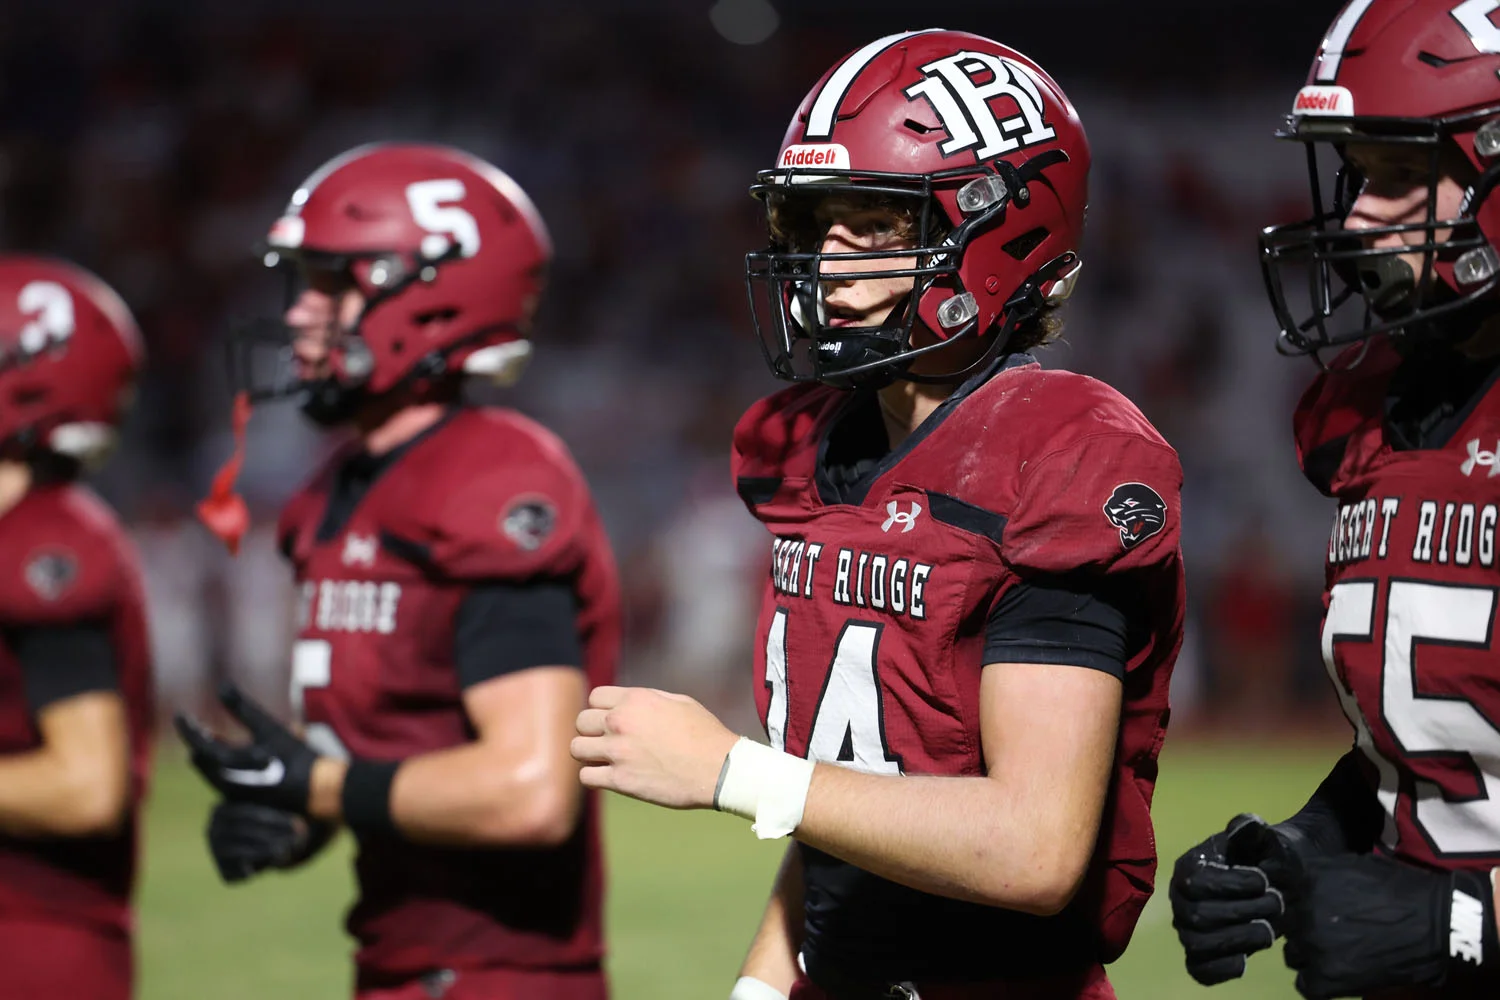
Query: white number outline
point(1423, 613)
point(54, 320)
point(446, 224)
point(853, 680)
point(312, 667)
point(1474, 17)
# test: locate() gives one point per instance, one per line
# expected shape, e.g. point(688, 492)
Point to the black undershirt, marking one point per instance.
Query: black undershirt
point(1433, 393)
point(61, 661)
point(501, 626)
point(1040, 620)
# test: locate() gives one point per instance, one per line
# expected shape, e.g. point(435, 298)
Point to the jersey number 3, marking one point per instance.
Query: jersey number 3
point(849, 721)
point(1422, 614)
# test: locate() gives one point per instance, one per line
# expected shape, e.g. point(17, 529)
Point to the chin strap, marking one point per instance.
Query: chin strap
point(223, 511)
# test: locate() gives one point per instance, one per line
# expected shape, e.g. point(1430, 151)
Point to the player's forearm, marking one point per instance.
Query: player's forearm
point(1009, 844)
point(468, 796)
point(772, 957)
point(44, 793)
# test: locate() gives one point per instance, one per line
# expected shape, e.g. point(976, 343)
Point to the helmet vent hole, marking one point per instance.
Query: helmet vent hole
point(918, 127)
point(1021, 247)
point(437, 316)
point(28, 397)
point(398, 346)
point(1435, 60)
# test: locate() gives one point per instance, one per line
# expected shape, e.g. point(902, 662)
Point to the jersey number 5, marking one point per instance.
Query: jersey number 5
point(312, 667)
point(849, 721)
point(1434, 615)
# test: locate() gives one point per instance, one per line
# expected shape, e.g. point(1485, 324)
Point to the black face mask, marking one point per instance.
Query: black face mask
point(1355, 290)
point(328, 403)
point(785, 294)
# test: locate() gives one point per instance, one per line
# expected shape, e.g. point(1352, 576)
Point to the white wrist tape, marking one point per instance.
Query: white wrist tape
point(764, 785)
point(750, 988)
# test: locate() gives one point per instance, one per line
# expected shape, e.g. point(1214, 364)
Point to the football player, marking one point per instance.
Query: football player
point(1384, 882)
point(75, 666)
point(458, 596)
point(976, 593)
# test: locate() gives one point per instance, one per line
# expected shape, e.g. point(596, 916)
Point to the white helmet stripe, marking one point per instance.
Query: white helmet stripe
point(825, 108)
point(1338, 36)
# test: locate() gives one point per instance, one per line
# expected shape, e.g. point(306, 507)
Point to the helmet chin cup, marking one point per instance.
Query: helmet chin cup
point(329, 403)
point(1388, 283)
point(837, 355)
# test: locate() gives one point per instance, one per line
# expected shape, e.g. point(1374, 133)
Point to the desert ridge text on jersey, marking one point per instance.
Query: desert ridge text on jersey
point(1457, 532)
point(860, 579)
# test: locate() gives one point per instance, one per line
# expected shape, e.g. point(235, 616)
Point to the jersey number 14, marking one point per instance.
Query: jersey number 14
point(849, 721)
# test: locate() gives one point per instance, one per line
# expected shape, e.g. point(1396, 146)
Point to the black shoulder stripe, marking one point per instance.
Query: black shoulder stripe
point(756, 490)
point(404, 548)
point(1322, 463)
point(967, 517)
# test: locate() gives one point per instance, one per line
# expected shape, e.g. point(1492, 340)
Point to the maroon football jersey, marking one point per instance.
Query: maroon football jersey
point(64, 560)
point(485, 496)
point(873, 626)
point(1409, 623)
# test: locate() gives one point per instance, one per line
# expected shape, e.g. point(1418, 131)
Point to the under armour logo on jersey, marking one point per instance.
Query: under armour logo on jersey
point(1481, 458)
point(360, 550)
point(906, 518)
point(960, 88)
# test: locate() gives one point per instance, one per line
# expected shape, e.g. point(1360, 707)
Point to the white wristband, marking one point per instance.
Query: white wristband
point(750, 988)
point(764, 785)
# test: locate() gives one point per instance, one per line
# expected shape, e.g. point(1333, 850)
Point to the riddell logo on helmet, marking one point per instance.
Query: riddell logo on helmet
point(1334, 101)
point(822, 154)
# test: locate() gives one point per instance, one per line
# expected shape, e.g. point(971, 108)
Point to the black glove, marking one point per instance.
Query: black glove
point(1356, 924)
point(274, 769)
point(1223, 905)
point(246, 839)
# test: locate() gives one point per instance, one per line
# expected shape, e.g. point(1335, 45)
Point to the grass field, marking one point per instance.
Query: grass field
point(685, 892)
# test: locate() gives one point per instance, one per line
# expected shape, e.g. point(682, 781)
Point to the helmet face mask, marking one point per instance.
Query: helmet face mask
point(1355, 287)
point(263, 363)
point(980, 154)
point(788, 296)
point(1414, 86)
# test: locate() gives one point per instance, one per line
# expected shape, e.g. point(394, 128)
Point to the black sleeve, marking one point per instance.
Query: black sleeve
point(1059, 621)
point(504, 627)
point(1342, 815)
point(60, 661)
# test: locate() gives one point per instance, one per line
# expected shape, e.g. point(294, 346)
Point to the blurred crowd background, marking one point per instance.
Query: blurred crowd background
point(155, 142)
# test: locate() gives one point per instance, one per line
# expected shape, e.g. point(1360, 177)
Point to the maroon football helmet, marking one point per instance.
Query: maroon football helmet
point(989, 154)
point(450, 257)
point(69, 356)
point(1421, 74)
point(448, 252)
